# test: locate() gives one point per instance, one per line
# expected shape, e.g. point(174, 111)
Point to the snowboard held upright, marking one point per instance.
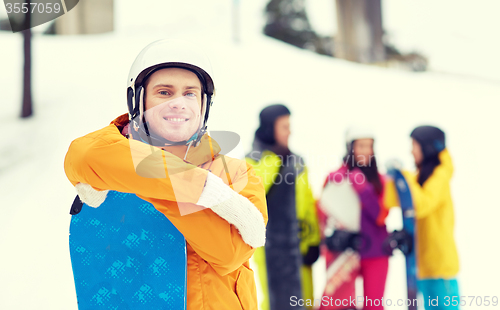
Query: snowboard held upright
point(405, 240)
point(125, 254)
point(341, 204)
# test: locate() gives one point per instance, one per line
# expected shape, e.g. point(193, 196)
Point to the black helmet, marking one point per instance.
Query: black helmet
point(268, 117)
point(430, 138)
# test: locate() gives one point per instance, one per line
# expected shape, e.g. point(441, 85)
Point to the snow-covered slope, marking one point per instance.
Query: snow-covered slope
point(79, 86)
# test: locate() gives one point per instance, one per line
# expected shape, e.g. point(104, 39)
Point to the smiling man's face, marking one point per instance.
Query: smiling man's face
point(173, 103)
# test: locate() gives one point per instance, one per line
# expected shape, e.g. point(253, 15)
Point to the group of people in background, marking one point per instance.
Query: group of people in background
point(161, 152)
point(296, 231)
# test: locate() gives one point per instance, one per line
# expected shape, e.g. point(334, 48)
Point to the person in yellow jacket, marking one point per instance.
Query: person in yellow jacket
point(293, 237)
point(436, 251)
point(161, 152)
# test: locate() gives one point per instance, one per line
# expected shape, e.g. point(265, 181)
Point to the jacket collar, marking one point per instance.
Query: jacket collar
point(204, 152)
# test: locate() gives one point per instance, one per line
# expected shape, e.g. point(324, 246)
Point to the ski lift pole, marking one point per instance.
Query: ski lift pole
point(236, 21)
point(27, 103)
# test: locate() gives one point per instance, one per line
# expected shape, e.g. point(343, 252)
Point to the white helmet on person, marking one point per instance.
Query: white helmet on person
point(168, 54)
point(354, 133)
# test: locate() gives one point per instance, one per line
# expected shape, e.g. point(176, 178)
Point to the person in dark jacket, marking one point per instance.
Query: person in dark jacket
point(292, 238)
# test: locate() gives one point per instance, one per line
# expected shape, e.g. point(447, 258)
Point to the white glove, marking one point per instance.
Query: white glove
point(393, 164)
point(235, 209)
point(215, 192)
point(89, 195)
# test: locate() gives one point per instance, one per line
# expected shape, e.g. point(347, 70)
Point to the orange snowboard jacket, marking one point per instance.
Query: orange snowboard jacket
point(218, 272)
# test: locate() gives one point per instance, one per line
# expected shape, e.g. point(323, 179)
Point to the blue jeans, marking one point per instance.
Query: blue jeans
point(439, 293)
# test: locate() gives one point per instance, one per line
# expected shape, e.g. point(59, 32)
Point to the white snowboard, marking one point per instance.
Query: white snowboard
point(341, 203)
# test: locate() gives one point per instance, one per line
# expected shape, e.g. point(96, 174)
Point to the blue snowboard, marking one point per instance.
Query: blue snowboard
point(406, 203)
point(126, 254)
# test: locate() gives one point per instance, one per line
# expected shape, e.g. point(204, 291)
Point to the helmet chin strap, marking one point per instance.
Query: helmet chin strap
point(152, 139)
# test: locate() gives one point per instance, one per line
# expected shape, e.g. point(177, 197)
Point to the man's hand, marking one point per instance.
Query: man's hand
point(215, 192)
point(393, 164)
point(235, 209)
point(398, 239)
point(89, 195)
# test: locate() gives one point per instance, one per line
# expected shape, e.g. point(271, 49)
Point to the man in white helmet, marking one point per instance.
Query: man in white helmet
point(161, 152)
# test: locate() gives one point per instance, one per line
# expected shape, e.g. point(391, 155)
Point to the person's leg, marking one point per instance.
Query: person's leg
point(307, 285)
point(341, 287)
point(440, 293)
point(427, 289)
point(374, 273)
point(260, 260)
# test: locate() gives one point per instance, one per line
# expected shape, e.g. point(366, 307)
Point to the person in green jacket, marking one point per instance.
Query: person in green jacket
point(436, 251)
point(292, 237)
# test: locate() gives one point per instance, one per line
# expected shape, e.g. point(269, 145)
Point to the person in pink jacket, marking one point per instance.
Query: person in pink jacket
point(359, 168)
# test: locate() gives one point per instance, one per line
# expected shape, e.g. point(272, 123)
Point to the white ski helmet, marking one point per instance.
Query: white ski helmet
point(354, 133)
point(169, 54)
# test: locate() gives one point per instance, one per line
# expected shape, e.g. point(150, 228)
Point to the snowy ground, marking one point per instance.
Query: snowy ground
point(79, 86)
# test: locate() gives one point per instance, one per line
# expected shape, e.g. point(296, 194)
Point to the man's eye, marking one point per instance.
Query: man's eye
point(190, 94)
point(164, 92)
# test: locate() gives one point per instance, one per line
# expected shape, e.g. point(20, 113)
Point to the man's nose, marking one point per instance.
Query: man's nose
point(177, 103)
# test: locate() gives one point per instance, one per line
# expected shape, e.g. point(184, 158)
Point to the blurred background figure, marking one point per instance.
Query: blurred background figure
point(292, 239)
point(436, 251)
point(359, 170)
